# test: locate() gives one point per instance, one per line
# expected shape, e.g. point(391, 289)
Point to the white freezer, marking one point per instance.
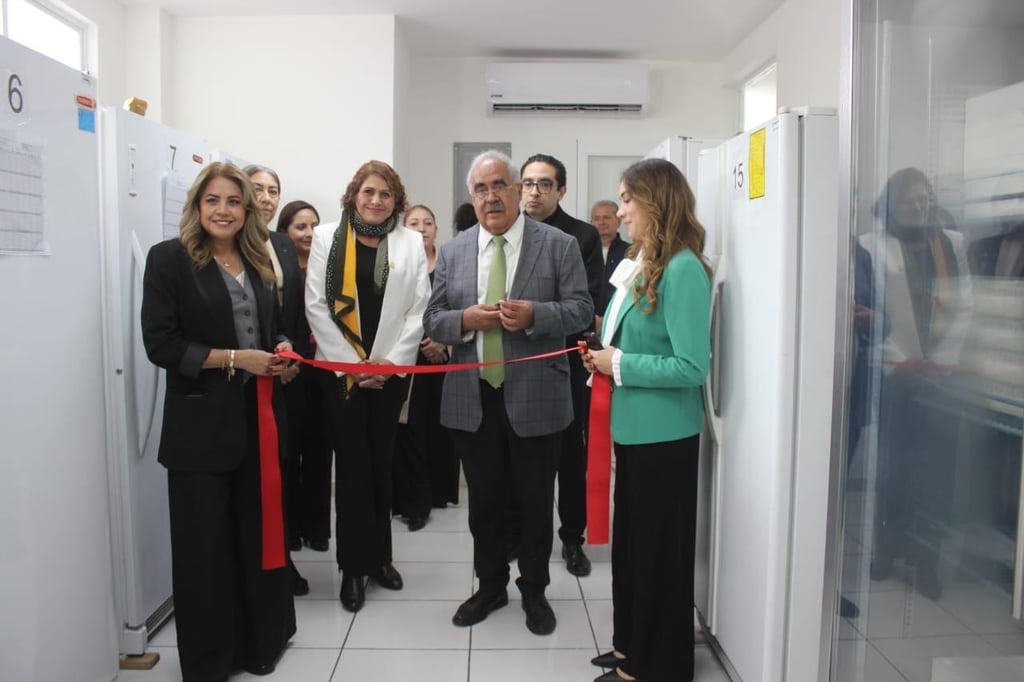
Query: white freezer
point(147, 167)
point(770, 393)
point(56, 599)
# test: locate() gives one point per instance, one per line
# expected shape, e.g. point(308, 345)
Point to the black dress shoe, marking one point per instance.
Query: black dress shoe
point(353, 592)
point(576, 562)
point(540, 619)
point(609, 677)
point(387, 577)
point(478, 607)
point(607, 660)
point(317, 545)
point(260, 669)
point(300, 586)
point(416, 523)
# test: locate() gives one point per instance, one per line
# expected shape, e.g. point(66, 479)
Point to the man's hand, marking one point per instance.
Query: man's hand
point(480, 317)
point(516, 315)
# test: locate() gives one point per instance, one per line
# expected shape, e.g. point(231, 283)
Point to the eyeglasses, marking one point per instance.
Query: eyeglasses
point(483, 191)
point(542, 186)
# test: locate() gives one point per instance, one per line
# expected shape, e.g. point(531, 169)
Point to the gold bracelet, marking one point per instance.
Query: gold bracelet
point(224, 359)
point(231, 364)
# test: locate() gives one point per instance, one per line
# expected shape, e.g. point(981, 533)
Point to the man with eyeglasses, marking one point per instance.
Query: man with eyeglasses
point(507, 288)
point(543, 188)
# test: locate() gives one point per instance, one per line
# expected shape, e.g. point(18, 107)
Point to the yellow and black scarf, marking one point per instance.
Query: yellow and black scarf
point(340, 282)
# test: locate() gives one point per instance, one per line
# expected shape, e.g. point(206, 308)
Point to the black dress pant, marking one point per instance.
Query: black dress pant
point(498, 463)
point(572, 462)
point(228, 611)
point(308, 461)
point(653, 537)
point(426, 470)
point(362, 431)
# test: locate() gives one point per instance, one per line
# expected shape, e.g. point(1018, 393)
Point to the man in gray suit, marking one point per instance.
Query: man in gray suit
point(507, 288)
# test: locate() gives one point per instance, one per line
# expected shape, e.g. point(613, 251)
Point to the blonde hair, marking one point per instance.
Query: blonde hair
point(252, 238)
point(662, 191)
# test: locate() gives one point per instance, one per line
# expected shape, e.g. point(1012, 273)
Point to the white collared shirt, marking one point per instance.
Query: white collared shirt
point(622, 279)
point(485, 256)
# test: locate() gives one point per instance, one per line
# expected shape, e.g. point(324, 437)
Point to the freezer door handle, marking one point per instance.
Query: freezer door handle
point(144, 424)
point(713, 385)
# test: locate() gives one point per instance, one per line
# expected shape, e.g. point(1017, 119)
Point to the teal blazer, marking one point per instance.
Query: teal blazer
point(665, 357)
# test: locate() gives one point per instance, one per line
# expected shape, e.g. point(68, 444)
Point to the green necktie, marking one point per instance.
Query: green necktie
point(495, 374)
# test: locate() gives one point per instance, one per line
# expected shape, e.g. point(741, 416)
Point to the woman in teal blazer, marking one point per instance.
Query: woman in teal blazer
point(657, 349)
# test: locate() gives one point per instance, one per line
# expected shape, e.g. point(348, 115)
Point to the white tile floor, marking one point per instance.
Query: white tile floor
point(408, 635)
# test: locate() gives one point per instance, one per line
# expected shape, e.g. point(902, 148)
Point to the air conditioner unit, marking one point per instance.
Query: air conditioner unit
point(567, 86)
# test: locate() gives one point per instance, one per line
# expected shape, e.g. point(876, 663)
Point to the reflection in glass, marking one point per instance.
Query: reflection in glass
point(931, 575)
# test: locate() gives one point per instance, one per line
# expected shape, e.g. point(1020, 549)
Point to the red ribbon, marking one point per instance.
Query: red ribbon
point(599, 459)
point(270, 477)
point(387, 370)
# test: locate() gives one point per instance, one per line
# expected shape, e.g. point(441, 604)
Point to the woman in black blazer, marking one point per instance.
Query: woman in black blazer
point(308, 468)
point(290, 281)
point(211, 318)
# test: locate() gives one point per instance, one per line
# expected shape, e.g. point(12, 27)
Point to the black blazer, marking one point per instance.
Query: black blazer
point(185, 313)
point(616, 252)
point(293, 305)
point(590, 249)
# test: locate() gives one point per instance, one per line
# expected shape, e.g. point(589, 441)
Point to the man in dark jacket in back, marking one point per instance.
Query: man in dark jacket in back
point(544, 181)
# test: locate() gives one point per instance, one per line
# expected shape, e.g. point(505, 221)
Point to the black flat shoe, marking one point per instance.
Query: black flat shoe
point(612, 677)
point(387, 577)
point(416, 523)
point(607, 660)
point(260, 669)
point(300, 586)
point(478, 607)
point(353, 592)
point(576, 562)
point(294, 545)
point(317, 545)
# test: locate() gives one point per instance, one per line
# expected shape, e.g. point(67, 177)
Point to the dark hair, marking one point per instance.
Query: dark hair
point(551, 161)
point(465, 217)
point(661, 189)
point(252, 169)
point(287, 215)
point(898, 185)
point(348, 200)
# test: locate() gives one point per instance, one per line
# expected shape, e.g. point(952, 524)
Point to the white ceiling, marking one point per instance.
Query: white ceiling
point(687, 30)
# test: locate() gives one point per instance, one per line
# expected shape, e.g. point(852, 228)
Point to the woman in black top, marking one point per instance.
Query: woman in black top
point(211, 318)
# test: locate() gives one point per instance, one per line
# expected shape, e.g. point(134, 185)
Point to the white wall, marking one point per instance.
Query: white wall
point(310, 96)
point(448, 104)
point(803, 38)
point(109, 51)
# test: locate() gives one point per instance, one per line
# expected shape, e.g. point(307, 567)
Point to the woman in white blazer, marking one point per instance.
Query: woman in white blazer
point(921, 266)
point(366, 288)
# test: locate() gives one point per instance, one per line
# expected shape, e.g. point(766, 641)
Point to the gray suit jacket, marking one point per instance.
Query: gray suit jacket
point(550, 273)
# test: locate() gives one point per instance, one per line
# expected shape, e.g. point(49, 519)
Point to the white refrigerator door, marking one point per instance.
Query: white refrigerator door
point(758, 307)
point(56, 599)
point(147, 168)
point(776, 211)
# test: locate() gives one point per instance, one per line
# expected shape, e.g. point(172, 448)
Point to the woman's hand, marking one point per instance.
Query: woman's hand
point(260, 362)
point(290, 372)
point(372, 380)
point(432, 350)
point(599, 360)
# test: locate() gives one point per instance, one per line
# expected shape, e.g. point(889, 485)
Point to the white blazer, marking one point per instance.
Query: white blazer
point(902, 343)
point(401, 315)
